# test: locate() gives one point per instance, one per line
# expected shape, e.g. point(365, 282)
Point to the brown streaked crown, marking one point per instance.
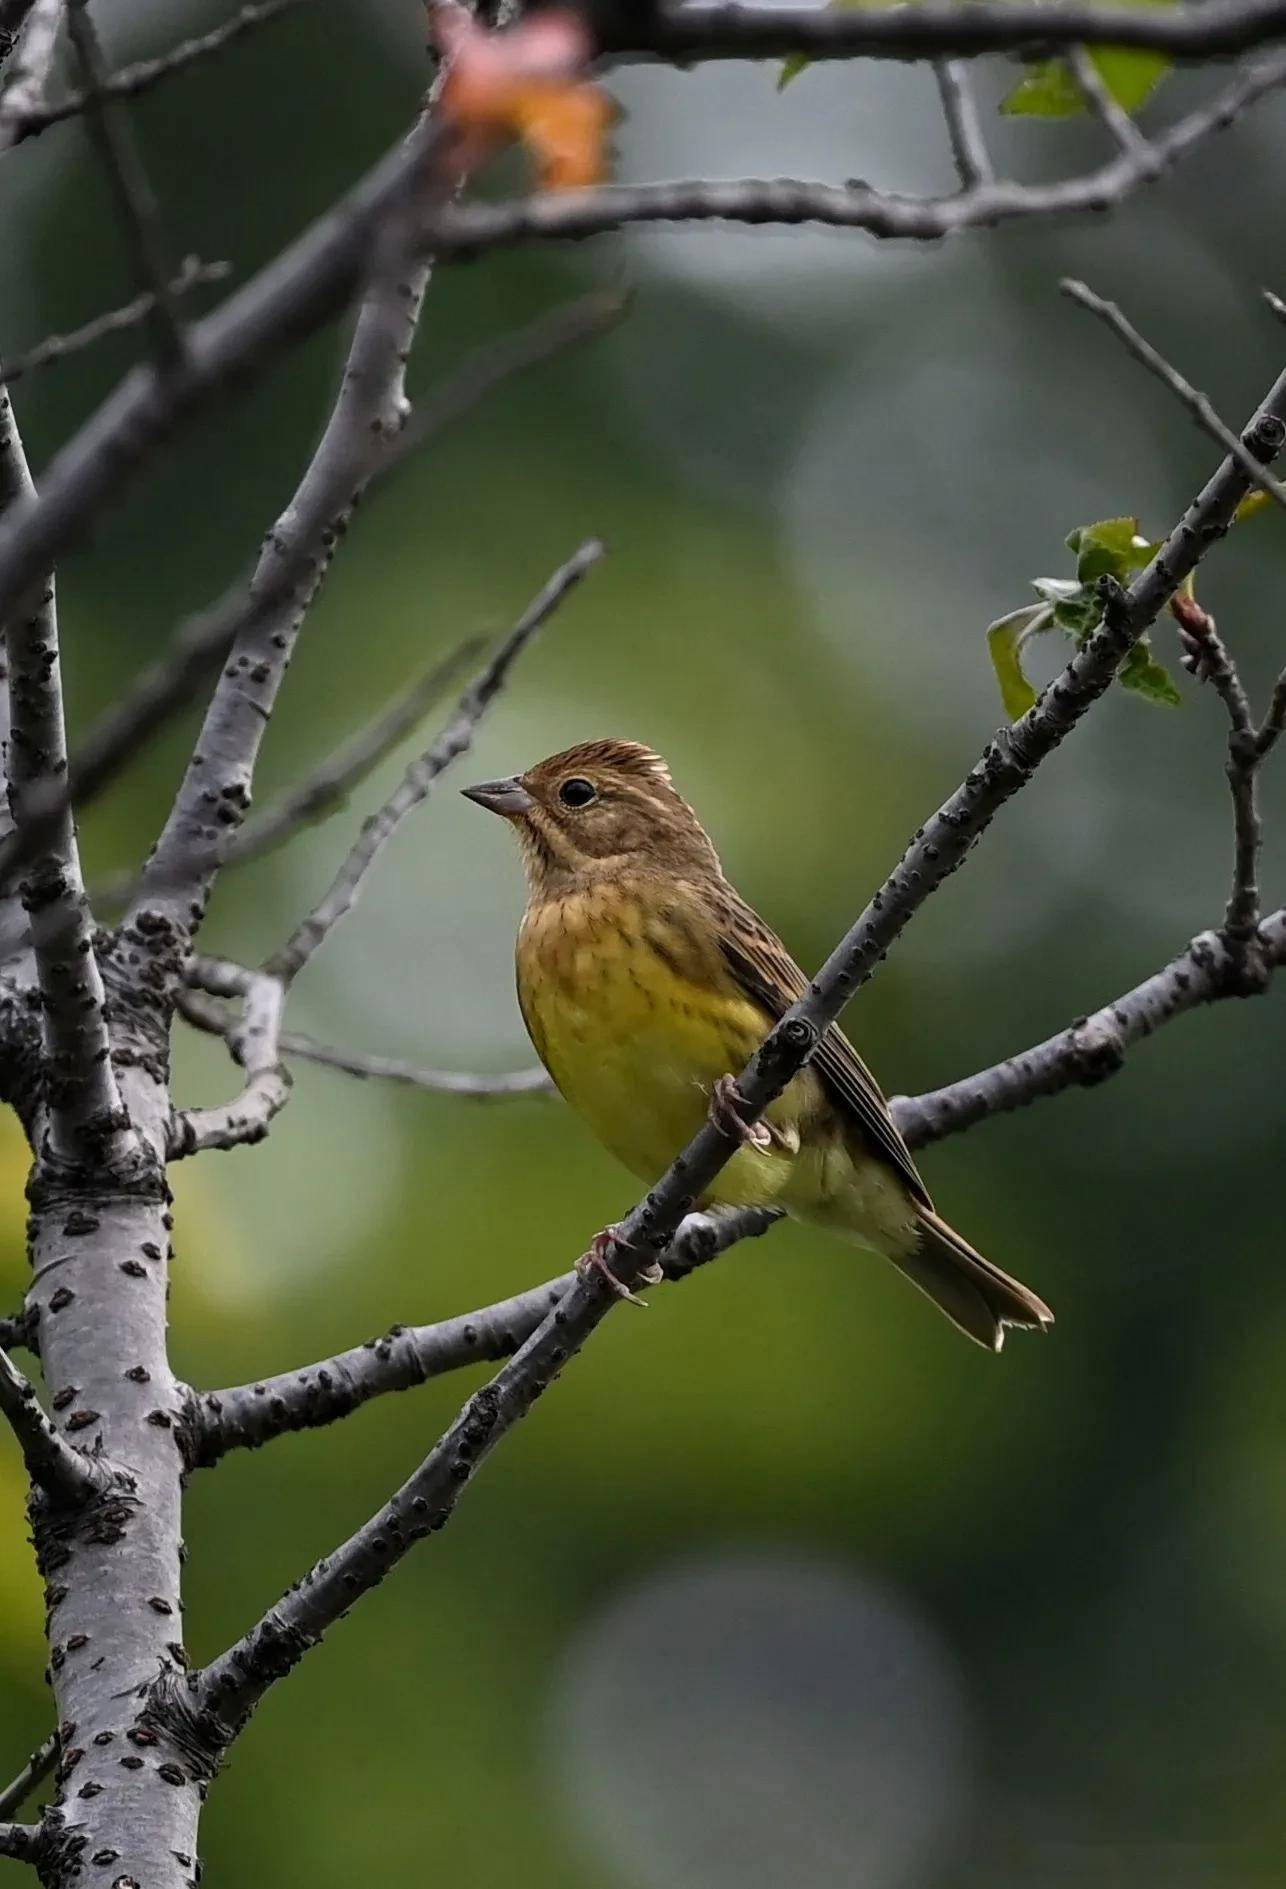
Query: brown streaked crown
point(606, 806)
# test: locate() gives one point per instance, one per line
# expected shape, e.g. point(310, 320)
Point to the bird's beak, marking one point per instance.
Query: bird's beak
point(509, 798)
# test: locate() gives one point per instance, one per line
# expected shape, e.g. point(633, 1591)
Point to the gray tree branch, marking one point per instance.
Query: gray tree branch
point(54, 1465)
point(83, 1102)
point(689, 35)
point(192, 274)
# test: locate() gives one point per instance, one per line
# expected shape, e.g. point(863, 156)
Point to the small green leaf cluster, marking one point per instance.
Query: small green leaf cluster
point(1112, 548)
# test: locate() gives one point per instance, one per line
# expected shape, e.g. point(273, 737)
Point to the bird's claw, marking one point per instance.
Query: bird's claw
point(598, 1260)
point(727, 1112)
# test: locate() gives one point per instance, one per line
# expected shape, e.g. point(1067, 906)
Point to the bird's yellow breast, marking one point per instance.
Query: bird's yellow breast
point(636, 1017)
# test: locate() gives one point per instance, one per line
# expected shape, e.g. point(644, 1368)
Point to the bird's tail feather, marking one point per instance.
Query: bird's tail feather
point(974, 1294)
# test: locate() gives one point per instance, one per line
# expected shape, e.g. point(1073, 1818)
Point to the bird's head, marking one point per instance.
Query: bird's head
point(595, 810)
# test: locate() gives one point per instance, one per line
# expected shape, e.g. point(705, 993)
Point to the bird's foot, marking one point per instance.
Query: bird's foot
point(598, 1260)
point(727, 1112)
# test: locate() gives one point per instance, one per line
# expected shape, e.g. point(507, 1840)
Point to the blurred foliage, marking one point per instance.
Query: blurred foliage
point(817, 484)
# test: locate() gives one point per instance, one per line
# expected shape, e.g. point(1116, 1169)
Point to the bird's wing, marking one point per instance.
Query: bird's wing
point(769, 975)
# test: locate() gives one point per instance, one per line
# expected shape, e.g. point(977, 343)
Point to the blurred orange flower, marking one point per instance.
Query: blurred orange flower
point(524, 84)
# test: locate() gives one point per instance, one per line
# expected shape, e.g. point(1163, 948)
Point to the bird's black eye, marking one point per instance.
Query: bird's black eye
point(577, 792)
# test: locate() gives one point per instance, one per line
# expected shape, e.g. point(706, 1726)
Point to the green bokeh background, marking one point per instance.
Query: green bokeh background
point(821, 467)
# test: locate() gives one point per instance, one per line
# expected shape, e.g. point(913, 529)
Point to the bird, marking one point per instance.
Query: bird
point(646, 981)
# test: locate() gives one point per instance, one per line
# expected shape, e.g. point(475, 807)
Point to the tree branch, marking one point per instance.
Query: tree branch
point(130, 80)
point(484, 1088)
point(65, 1474)
point(691, 34)
point(84, 1105)
point(135, 200)
point(964, 129)
point(34, 1772)
point(192, 274)
point(1103, 104)
point(231, 1686)
point(471, 229)
point(20, 1841)
point(418, 780)
point(255, 1043)
point(1197, 403)
point(1094, 1047)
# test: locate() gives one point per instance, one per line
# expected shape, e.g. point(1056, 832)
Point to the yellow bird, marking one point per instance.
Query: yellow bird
point(645, 982)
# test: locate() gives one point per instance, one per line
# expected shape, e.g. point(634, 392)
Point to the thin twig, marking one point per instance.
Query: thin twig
point(1197, 403)
point(135, 199)
point(227, 980)
point(964, 127)
point(455, 740)
point(15, 1330)
point(1273, 725)
point(1102, 103)
point(130, 80)
point(34, 1772)
point(192, 274)
point(483, 1088)
point(54, 1465)
point(231, 1686)
point(255, 1043)
point(1207, 656)
point(84, 1105)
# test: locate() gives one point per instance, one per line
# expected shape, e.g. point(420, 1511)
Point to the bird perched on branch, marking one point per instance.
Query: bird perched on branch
point(645, 982)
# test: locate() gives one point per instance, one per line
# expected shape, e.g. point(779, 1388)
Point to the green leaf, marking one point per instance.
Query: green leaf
point(1142, 673)
point(1049, 90)
point(1006, 638)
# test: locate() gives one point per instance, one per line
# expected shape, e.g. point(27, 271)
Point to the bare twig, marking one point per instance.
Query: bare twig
point(233, 1684)
point(1273, 725)
point(1102, 103)
point(482, 1088)
point(228, 980)
point(964, 128)
point(84, 1106)
point(418, 780)
point(1197, 403)
point(135, 199)
point(29, 68)
point(130, 80)
point(255, 1042)
point(328, 787)
point(192, 274)
point(248, 1415)
point(1208, 657)
point(63, 1472)
point(689, 34)
point(34, 1772)
point(1094, 1047)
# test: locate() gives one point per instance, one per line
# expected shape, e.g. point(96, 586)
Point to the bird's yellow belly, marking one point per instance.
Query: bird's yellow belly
point(636, 1050)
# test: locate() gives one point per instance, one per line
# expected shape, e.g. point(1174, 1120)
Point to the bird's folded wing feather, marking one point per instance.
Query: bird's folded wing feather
point(769, 975)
